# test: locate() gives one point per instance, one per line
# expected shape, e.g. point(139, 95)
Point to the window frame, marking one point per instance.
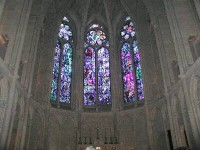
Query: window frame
point(97, 106)
point(130, 41)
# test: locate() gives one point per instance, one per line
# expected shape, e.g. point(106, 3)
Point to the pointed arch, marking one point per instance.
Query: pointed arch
point(96, 67)
point(131, 63)
point(62, 67)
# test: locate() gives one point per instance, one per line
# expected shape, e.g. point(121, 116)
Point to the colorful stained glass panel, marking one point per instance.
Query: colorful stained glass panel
point(66, 71)
point(65, 31)
point(89, 77)
point(62, 69)
point(96, 37)
point(128, 30)
point(54, 84)
point(137, 61)
point(104, 76)
point(128, 77)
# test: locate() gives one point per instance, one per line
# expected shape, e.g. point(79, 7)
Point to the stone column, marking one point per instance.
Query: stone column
point(191, 114)
point(18, 48)
point(34, 45)
point(182, 25)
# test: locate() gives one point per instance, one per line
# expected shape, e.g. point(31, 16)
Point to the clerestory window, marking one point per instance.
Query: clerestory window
point(62, 68)
point(96, 67)
point(131, 63)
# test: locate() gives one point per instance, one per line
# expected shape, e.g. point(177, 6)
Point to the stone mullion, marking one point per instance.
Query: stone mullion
point(96, 74)
point(34, 48)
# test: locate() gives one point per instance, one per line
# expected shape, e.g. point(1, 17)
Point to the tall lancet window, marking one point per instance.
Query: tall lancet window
point(62, 67)
point(96, 67)
point(131, 63)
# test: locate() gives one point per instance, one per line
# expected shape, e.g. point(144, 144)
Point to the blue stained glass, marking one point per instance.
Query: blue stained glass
point(96, 78)
point(89, 77)
point(56, 64)
point(66, 71)
point(62, 69)
point(104, 76)
point(128, 77)
point(65, 31)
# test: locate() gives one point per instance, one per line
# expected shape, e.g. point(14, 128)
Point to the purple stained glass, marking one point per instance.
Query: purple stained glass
point(137, 61)
point(131, 64)
point(66, 71)
point(89, 95)
point(104, 92)
point(65, 31)
point(96, 78)
point(89, 77)
point(128, 77)
point(54, 84)
point(96, 37)
point(128, 30)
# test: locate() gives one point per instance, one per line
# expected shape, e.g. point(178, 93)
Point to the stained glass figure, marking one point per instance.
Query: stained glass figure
point(103, 76)
point(62, 69)
point(131, 64)
point(89, 77)
point(66, 71)
point(96, 67)
point(54, 84)
point(128, 78)
point(138, 70)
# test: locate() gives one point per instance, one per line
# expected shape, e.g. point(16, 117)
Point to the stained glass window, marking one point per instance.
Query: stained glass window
point(131, 63)
point(96, 67)
point(62, 67)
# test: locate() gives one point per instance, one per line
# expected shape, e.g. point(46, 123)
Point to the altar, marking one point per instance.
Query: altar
point(106, 143)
